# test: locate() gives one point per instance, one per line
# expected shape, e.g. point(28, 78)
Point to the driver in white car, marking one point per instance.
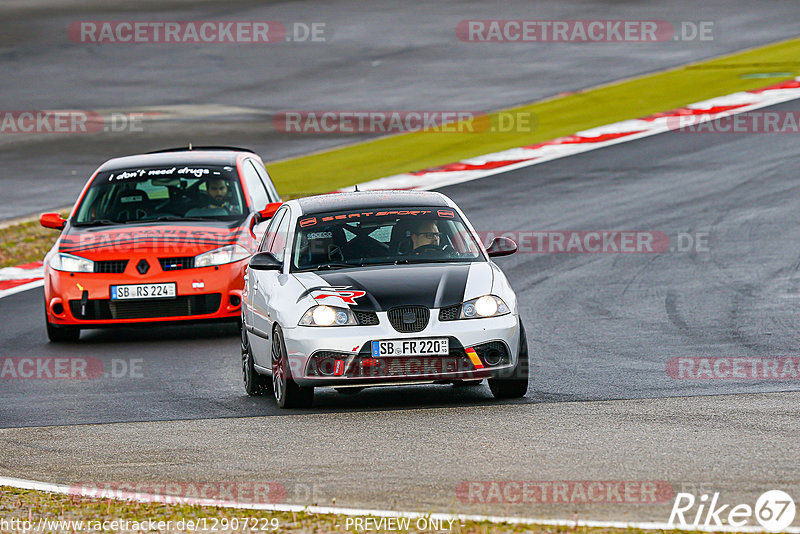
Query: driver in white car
point(425, 233)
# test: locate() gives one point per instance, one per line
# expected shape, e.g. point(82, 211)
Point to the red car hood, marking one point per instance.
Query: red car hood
point(161, 240)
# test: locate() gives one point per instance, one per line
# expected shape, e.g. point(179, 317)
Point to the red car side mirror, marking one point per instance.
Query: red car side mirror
point(52, 220)
point(267, 212)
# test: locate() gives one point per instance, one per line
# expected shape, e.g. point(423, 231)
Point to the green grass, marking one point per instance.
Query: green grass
point(27, 505)
point(555, 117)
point(26, 242)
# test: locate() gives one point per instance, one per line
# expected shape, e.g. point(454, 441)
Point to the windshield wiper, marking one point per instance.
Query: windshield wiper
point(330, 267)
point(98, 222)
point(170, 218)
point(407, 261)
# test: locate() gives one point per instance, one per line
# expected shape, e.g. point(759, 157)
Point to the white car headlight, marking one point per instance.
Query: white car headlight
point(485, 306)
point(328, 316)
point(71, 264)
point(221, 256)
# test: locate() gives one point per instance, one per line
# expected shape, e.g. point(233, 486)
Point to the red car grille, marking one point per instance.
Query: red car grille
point(105, 309)
point(110, 266)
point(176, 264)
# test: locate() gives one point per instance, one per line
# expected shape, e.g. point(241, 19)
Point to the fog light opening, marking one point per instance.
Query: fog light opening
point(326, 366)
point(492, 357)
point(235, 300)
point(58, 308)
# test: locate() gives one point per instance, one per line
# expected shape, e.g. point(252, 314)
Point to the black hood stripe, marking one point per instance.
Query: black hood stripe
point(433, 286)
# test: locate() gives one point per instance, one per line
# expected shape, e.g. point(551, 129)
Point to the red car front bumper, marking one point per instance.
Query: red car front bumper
point(84, 299)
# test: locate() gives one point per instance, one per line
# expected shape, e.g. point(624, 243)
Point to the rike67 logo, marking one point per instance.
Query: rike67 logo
point(774, 511)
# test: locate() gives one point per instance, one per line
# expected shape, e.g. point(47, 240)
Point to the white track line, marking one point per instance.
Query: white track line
point(750, 101)
point(166, 499)
point(20, 289)
point(32, 272)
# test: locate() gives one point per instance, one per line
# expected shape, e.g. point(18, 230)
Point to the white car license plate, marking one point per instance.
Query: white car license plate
point(143, 291)
point(411, 347)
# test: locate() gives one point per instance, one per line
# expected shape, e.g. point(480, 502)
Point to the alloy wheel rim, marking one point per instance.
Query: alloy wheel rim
point(277, 368)
point(245, 361)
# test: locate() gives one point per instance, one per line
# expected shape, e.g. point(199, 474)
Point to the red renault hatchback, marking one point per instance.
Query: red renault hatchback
point(156, 237)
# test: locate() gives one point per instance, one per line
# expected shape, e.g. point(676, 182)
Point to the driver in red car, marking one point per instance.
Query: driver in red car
point(217, 189)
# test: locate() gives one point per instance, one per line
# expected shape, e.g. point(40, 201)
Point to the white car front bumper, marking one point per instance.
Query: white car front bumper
point(314, 351)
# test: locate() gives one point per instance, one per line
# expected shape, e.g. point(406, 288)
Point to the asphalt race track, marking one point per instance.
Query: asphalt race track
point(601, 328)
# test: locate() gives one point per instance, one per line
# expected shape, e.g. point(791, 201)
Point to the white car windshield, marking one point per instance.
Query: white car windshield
point(394, 236)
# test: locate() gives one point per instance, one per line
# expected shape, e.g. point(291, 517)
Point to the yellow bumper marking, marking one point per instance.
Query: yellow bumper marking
point(473, 357)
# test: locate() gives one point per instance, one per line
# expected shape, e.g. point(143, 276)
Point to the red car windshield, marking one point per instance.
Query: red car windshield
point(163, 193)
